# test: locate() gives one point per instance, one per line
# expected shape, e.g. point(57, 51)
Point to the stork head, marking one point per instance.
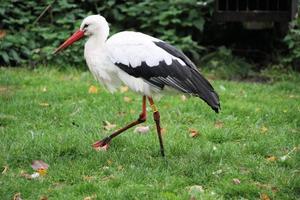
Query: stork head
point(91, 26)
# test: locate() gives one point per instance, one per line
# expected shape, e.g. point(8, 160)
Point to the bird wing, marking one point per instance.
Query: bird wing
point(160, 64)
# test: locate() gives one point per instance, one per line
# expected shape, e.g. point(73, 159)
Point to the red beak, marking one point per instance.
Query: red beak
point(76, 36)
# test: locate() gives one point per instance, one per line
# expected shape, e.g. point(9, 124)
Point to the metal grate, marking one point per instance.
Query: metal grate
point(253, 5)
point(255, 10)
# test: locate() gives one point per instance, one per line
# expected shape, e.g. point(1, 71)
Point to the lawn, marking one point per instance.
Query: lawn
point(248, 151)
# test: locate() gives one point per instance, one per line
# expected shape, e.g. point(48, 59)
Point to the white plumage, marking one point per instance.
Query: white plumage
point(128, 48)
point(145, 64)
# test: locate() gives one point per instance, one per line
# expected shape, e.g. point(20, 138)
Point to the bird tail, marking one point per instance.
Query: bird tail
point(203, 89)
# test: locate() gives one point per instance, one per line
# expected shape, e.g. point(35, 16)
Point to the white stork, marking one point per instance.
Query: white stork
point(145, 64)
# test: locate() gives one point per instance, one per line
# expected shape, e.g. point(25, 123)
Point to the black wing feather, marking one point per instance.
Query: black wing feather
point(185, 78)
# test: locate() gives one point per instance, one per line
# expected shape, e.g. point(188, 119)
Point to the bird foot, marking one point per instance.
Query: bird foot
point(102, 145)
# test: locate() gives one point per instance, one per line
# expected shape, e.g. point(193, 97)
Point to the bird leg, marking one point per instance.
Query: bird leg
point(156, 117)
point(142, 118)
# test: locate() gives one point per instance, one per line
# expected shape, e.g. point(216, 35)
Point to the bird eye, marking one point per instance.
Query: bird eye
point(85, 26)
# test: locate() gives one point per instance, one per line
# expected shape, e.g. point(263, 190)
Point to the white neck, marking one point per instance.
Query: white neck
point(98, 38)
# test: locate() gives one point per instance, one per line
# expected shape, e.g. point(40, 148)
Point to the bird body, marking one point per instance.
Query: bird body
point(147, 65)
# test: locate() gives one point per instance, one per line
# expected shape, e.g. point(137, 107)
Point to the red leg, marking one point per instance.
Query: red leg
point(156, 117)
point(141, 119)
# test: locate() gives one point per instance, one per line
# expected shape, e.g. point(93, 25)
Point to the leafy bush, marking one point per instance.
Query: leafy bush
point(25, 41)
point(292, 40)
point(223, 64)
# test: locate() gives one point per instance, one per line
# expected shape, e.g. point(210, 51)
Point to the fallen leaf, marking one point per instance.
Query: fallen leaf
point(283, 158)
point(34, 175)
point(17, 196)
point(142, 129)
point(2, 33)
point(127, 99)
point(193, 133)
point(43, 198)
point(5, 169)
point(123, 89)
point(108, 126)
point(88, 178)
point(42, 171)
point(263, 129)
point(264, 196)
point(39, 164)
point(90, 197)
point(93, 89)
point(236, 181)
point(183, 97)
point(25, 175)
point(271, 158)
point(109, 162)
point(120, 168)
point(219, 124)
point(44, 104)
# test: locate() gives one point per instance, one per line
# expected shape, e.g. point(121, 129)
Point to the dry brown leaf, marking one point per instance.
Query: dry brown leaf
point(25, 175)
point(43, 198)
point(17, 196)
point(93, 89)
point(108, 126)
point(219, 124)
point(2, 33)
point(90, 197)
point(264, 196)
point(88, 178)
point(163, 130)
point(5, 169)
point(39, 164)
point(142, 129)
point(271, 158)
point(193, 133)
point(127, 99)
point(44, 104)
point(263, 129)
point(236, 181)
point(123, 89)
point(109, 162)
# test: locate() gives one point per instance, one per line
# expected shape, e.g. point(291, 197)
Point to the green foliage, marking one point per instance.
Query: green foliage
point(225, 65)
point(179, 22)
point(292, 40)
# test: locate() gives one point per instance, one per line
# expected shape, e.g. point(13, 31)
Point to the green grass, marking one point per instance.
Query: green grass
point(259, 121)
